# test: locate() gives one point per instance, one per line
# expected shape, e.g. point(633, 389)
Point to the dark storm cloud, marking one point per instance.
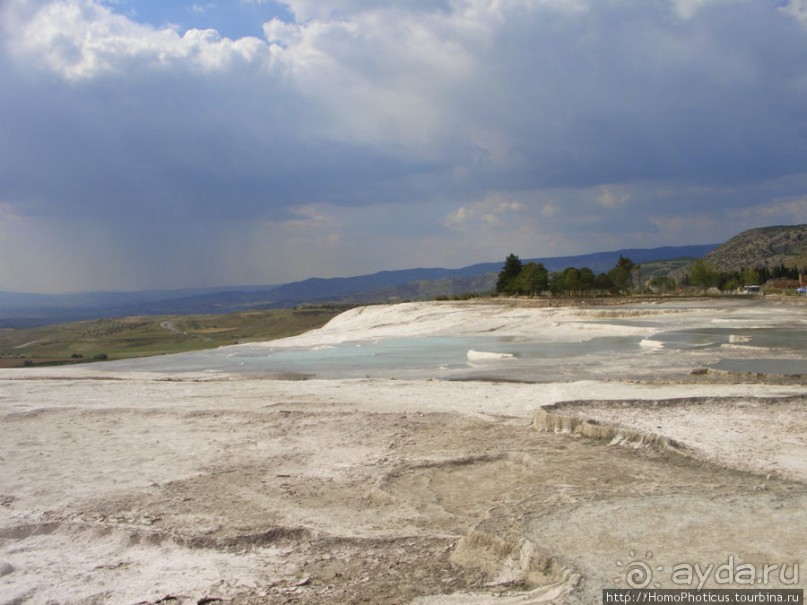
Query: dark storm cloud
point(626, 93)
point(114, 146)
point(614, 119)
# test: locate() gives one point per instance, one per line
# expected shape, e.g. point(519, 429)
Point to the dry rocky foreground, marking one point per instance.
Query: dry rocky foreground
point(133, 488)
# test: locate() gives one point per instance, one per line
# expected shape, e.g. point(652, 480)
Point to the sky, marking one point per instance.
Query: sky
point(173, 144)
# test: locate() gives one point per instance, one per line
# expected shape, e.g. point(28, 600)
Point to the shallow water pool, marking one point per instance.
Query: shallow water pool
point(657, 343)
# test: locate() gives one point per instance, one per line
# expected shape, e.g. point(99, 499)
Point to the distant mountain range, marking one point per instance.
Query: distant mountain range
point(21, 309)
point(767, 246)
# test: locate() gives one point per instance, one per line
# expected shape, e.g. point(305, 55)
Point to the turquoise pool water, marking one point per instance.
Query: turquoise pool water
point(778, 346)
point(447, 357)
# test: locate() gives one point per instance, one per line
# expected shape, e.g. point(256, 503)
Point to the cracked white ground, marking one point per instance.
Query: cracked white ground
point(159, 481)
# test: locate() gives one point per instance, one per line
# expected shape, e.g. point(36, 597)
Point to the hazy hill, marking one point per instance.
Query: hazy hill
point(404, 284)
point(19, 309)
point(482, 277)
point(763, 247)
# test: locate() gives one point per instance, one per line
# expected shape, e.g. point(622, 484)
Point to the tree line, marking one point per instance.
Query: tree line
point(703, 274)
point(532, 279)
point(517, 278)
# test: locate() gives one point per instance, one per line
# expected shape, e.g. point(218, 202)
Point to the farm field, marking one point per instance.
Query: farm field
point(142, 336)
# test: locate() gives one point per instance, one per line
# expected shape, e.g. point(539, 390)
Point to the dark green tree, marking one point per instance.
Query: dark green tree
point(749, 277)
point(662, 284)
point(622, 274)
point(703, 274)
point(587, 278)
point(556, 283)
point(625, 263)
point(603, 283)
point(533, 279)
point(621, 278)
point(507, 283)
point(571, 280)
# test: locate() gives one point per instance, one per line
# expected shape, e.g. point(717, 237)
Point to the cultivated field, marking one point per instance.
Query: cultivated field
point(141, 336)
